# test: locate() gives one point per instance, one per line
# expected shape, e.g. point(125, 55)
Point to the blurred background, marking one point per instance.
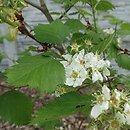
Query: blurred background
point(10, 50)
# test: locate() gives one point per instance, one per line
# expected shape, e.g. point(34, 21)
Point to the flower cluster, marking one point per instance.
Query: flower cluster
point(82, 66)
point(115, 105)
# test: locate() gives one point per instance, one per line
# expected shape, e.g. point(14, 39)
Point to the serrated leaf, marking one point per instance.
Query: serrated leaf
point(55, 32)
point(123, 61)
point(65, 105)
point(75, 25)
point(104, 45)
point(104, 5)
point(112, 50)
point(15, 107)
point(39, 71)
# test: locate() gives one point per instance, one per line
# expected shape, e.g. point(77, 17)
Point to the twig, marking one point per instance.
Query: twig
point(66, 11)
point(3, 85)
point(43, 8)
point(125, 51)
point(94, 15)
point(80, 124)
point(45, 11)
point(33, 4)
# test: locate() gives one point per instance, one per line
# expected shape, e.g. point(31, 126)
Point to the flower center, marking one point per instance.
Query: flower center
point(100, 99)
point(115, 124)
point(75, 74)
point(82, 62)
point(114, 101)
point(128, 112)
point(75, 46)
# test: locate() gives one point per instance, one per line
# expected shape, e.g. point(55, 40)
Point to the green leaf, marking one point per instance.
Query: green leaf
point(56, 32)
point(124, 29)
point(104, 5)
point(75, 25)
point(63, 106)
point(15, 107)
point(39, 71)
point(112, 50)
point(104, 45)
point(123, 61)
point(125, 26)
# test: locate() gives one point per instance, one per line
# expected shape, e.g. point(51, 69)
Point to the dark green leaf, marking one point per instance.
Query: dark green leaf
point(123, 61)
point(15, 107)
point(104, 5)
point(56, 32)
point(75, 25)
point(65, 105)
point(39, 71)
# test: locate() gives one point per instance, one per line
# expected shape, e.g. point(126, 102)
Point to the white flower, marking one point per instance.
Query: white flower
point(68, 60)
point(100, 69)
point(96, 75)
point(109, 31)
point(90, 59)
point(75, 74)
point(83, 59)
point(127, 113)
point(115, 98)
point(102, 102)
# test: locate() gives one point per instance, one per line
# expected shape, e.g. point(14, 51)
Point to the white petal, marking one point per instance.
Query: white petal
point(94, 76)
point(83, 74)
point(117, 94)
point(105, 105)
point(107, 63)
point(106, 92)
point(120, 117)
point(126, 107)
point(67, 57)
point(77, 82)
point(96, 111)
point(69, 82)
point(64, 63)
point(128, 120)
point(100, 64)
point(106, 72)
point(100, 76)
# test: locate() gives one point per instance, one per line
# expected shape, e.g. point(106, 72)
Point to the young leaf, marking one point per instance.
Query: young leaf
point(65, 105)
point(123, 61)
point(15, 107)
point(75, 25)
point(56, 32)
point(104, 5)
point(39, 71)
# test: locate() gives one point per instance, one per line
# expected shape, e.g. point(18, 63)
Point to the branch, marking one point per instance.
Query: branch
point(3, 85)
point(43, 8)
point(33, 4)
point(45, 11)
point(66, 11)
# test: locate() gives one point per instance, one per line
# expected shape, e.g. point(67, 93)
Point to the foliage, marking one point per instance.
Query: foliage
point(15, 107)
point(52, 33)
point(72, 62)
point(39, 71)
point(68, 104)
